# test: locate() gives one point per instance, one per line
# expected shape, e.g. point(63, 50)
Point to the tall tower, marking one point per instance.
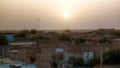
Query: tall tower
point(38, 21)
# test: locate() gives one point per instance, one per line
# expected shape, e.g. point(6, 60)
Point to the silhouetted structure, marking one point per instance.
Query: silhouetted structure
point(54, 64)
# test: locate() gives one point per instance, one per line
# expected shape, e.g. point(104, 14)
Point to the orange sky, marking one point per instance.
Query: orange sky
point(83, 14)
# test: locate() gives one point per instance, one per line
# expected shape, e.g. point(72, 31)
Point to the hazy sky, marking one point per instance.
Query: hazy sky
point(59, 14)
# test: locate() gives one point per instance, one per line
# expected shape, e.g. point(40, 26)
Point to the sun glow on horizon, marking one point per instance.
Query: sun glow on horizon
point(66, 14)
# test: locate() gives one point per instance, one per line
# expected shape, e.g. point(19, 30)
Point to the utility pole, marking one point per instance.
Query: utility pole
point(66, 56)
point(38, 23)
point(101, 56)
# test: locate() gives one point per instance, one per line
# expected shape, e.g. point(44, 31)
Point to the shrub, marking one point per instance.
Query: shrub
point(94, 61)
point(76, 62)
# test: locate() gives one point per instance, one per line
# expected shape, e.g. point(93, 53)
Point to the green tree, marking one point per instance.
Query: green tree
point(33, 31)
point(64, 37)
point(104, 41)
point(35, 38)
point(80, 40)
point(3, 39)
point(100, 33)
point(116, 33)
point(43, 38)
point(23, 33)
point(67, 31)
point(112, 57)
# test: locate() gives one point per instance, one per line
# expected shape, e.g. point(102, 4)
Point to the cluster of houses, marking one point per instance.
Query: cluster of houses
point(44, 46)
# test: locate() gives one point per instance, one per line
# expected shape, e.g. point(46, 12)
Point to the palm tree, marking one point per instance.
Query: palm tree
point(103, 41)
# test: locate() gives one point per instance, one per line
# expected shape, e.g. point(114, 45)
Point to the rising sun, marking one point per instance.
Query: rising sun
point(66, 14)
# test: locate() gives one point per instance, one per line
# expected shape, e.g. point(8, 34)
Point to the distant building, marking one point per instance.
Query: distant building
point(22, 43)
